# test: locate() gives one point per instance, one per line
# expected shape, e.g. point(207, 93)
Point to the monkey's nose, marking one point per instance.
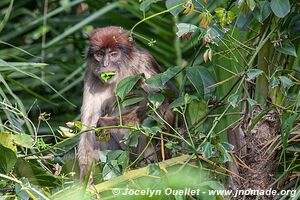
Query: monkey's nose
point(106, 63)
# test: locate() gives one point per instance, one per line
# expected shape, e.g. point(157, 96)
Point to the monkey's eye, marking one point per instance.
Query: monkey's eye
point(98, 55)
point(113, 54)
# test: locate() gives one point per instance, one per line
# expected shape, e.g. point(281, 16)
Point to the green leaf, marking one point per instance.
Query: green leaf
point(145, 5)
point(262, 11)
point(286, 82)
point(110, 170)
point(7, 14)
point(251, 4)
point(6, 140)
point(242, 5)
point(132, 101)
point(184, 28)
point(252, 102)
point(286, 127)
point(253, 73)
point(177, 102)
point(8, 159)
point(96, 15)
point(152, 130)
point(159, 80)
point(153, 170)
point(234, 100)
point(195, 110)
point(280, 7)
point(207, 150)
point(120, 156)
point(23, 140)
point(294, 148)
point(181, 101)
point(274, 82)
point(132, 138)
point(201, 79)
point(20, 192)
point(226, 156)
point(126, 85)
point(287, 48)
point(227, 146)
point(172, 3)
point(156, 99)
point(212, 184)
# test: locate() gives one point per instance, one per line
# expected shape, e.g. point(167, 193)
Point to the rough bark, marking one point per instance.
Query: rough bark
point(254, 153)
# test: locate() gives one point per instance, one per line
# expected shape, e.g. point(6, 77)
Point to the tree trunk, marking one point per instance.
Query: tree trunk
point(255, 156)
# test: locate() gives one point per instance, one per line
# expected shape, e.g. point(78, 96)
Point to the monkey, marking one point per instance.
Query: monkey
point(111, 49)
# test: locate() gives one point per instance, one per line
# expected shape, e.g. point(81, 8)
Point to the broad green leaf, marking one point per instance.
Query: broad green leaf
point(8, 159)
point(253, 73)
point(227, 146)
point(262, 11)
point(156, 99)
point(145, 5)
point(180, 101)
point(159, 80)
point(225, 155)
point(201, 79)
point(23, 140)
point(132, 101)
point(184, 28)
point(175, 5)
point(274, 82)
point(110, 170)
point(234, 100)
point(126, 85)
point(287, 48)
point(280, 7)
point(252, 102)
point(286, 82)
point(152, 130)
point(195, 110)
point(6, 140)
point(153, 170)
point(36, 174)
point(207, 150)
point(20, 192)
point(294, 148)
point(132, 138)
point(213, 185)
point(120, 156)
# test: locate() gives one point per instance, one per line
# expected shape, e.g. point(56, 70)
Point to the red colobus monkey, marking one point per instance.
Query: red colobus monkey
point(111, 53)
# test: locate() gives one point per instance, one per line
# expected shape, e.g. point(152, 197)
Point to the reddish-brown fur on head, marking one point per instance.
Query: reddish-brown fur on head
point(110, 37)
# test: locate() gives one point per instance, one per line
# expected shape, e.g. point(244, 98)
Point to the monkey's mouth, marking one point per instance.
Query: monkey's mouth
point(105, 76)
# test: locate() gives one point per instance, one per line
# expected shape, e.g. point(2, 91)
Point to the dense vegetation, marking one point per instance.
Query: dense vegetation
point(235, 64)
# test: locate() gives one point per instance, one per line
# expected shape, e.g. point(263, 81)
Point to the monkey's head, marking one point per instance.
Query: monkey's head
point(109, 52)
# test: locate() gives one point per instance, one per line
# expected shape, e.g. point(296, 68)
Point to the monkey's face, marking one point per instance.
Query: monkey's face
point(109, 65)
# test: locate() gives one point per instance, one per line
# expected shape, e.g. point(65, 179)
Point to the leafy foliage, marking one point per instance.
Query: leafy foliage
point(224, 57)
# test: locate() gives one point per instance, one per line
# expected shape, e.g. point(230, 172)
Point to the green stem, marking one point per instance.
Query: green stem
point(261, 90)
point(155, 15)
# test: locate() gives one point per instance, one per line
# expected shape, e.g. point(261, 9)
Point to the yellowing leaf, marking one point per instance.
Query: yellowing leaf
point(189, 7)
point(220, 12)
point(66, 132)
point(206, 18)
point(6, 140)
